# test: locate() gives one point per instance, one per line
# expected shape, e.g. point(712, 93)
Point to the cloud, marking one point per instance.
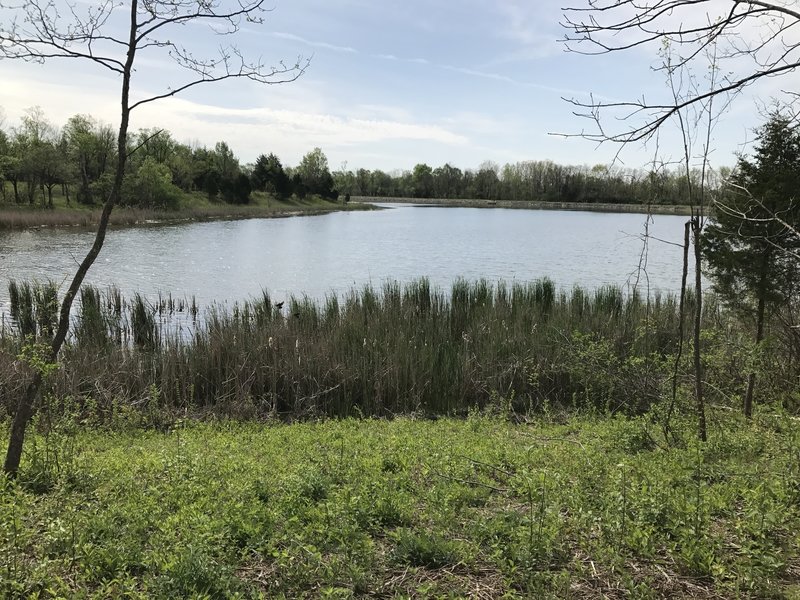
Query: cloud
point(522, 24)
point(483, 74)
point(289, 131)
point(312, 126)
point(394, 113)
point(296, 38)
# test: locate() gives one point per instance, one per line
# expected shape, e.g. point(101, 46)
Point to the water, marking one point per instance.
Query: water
point(225, 261)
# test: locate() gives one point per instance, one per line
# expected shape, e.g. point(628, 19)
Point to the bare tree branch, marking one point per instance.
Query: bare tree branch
point(773, 217)
point(763, 32)
point(37, 32)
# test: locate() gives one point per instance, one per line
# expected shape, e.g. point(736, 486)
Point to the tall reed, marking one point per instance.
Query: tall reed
point(33, 308)
point(401, 349)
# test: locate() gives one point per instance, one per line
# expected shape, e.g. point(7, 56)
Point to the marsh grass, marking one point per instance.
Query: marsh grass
point(401, 349)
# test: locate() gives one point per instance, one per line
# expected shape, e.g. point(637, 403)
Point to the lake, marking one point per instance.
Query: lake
point(225, 261)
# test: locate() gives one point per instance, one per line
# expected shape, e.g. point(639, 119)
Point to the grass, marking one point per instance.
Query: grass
point(193, 207)
point(565, 507)
point(398, 350)
point(162, 462)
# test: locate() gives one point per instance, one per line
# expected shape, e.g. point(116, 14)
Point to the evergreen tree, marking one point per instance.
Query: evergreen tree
point(751, 252)
point(268, 175)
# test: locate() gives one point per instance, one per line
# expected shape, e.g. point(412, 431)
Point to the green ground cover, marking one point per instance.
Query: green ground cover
point(484, 507)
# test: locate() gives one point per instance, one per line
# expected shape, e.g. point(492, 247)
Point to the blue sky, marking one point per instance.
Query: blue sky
point(391, 83)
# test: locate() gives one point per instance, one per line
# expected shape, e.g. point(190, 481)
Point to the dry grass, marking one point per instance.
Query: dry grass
point(28, 218)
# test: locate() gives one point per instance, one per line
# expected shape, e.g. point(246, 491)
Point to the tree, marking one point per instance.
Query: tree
point(31, 141)
point(486, 185)
point(268, 175)
point(51, 168)
point(90, 151)
point(316, 175)
point(236, 190)
point(41, 30)
point(154, 143)
point(180, 164)
point(151, 186)
point(751, 40)
point(752, 255)
point(447, 181)
point(681, 36)
point(224, 161)
point(422, 178)
point(5, 149)
point(747, 41)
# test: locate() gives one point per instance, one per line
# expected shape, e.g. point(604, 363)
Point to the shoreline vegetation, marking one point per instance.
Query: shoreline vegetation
point(657, 209)
point(197, 208)
point(43, 165)
point(194, 207)
point(489, 440)
point(396, 349)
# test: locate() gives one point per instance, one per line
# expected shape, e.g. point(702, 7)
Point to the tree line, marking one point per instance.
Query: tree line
point(38, 159)
point(77, 161)
point(537, 181)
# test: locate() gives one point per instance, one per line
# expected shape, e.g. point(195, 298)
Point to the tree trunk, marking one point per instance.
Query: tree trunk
point(751, 378)
point(681, 320)
point(19, 424)
point(85, 192)
point(698, 313)
point(31, 190)
point(27, 403)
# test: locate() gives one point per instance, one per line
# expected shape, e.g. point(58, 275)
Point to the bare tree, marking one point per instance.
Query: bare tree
point(112, 34)
point(683, 33)
point(752, 40)
point(695, 122)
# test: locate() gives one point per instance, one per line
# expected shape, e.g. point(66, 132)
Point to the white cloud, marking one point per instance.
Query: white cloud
point(296, 38)
point(313, 128)
point(531, 26)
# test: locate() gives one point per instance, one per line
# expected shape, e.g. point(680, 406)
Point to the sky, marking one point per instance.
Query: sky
point(390, 84)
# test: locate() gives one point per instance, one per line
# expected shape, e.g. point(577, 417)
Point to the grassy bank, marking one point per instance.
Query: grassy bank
point(193, 207)
point(588, 508)
point(397, 350)
point(658, 209)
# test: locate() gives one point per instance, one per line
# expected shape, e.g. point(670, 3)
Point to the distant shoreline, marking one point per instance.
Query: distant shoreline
point(659, 209)
point(15, 219)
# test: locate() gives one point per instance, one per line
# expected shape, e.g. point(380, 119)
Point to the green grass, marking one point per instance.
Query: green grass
point(479, 507)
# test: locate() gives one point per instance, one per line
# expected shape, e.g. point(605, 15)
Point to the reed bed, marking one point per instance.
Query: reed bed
point(25, 218)
point(411, 348)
